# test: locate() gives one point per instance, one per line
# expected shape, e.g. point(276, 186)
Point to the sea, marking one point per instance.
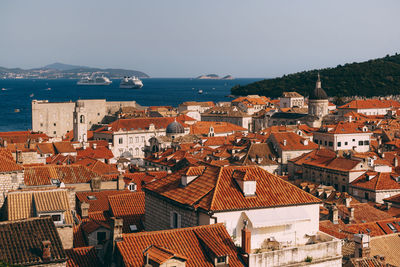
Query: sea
point(16, 95)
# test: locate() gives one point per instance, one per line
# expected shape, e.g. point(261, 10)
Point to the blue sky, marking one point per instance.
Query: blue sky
point(180, 38)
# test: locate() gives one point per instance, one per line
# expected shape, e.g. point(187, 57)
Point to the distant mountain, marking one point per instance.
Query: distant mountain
point(60, 70)
point(376, 77)
point(62, 67)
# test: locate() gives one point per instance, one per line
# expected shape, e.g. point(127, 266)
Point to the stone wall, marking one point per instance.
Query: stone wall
point(8, 182)
point(66, 236)
point(158, 214)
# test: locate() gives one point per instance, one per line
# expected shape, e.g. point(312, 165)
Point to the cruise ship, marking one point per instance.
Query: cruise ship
point(131, 82)
point(94, 80)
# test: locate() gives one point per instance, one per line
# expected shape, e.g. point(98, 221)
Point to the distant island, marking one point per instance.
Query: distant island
point(370, 78)
point(65, 71)
point(214, 77)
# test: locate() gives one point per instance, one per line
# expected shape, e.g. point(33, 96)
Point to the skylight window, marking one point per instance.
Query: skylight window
point(133, 227)
point(392, 227)
point(55, 181)
point(92, 197)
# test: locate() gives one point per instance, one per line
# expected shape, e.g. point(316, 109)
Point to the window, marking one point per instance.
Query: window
point(132, 187)
point(41, 125)
point(330, 143)
point(55, 124)
point(175, 220)
point(130, 140)
point(366, 143)
point(136, 151)
point(354, 140)
point(360, 143)
point(120, 140)
point(92, 197)
point(54, 132)
point(14, 178)
point(366, 196)
point(56, 217)
point(142, 139)
point(133, 228)
point(137, 139)
point(316, 141)
point(339, 144)
point(101, 238)
point(343, 188)
point(345, 143)
point(326, 143)
point(392, 227)
point(221, 259)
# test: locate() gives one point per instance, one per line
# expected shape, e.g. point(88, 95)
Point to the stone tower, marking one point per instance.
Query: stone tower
point(318, 101)
point(80, 123)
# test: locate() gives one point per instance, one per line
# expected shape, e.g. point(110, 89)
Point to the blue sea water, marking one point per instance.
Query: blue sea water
point(18, 94)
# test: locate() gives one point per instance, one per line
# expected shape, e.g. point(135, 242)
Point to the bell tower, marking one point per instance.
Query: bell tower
point(80, 123)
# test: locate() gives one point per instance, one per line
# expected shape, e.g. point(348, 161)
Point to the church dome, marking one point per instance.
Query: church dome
point(318, 93)
point(175, 128)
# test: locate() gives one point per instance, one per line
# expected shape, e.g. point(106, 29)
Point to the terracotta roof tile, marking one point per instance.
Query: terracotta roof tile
point(82, 257)
point(293, 141)
point(379, 181)
point(271, 190)
point(129, 207)
point(370, 104)
point(69, 174)
point(191, 245)
point(100, 202)
point(21, 240)
point(203, 127)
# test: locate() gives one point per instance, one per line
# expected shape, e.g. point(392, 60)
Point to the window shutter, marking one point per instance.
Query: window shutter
point(179, 220)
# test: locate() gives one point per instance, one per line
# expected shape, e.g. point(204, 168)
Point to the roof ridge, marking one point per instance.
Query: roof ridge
point(185, 229)
point(216, 187)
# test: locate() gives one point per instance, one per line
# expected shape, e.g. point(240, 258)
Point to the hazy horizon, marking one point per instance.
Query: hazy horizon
point(187, 39)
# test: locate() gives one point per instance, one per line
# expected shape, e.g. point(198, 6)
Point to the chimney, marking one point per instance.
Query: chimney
point(396, 161)
point(246, 238)
point(351, 215)
point(284, 142)
point(361, 246)
point(95, 183)
point(334, 214)
point(120, 182)
point(5, 143)
point(347, 201)
point(388, 205)
point(117, 224)
point(46, 250)
point(94, 145)
point(85, 209)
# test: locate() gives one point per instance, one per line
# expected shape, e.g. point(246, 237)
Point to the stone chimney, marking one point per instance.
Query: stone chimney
point(120, 182)
point(388, 205)
point(85, 209)
point(117, 224)
point(94, 145)
point(361, 246)
point(246, 238)
point(351, 214)
point(334, 214)
point(284, 142)
point(46, 250)
point(95, 183)
point(347, 202)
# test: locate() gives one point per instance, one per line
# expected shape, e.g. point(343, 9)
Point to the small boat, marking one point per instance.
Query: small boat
point(48, 89)
point(16, 110)
point(94, 80)
point(31, 95)
point(3, 89)
point(200, 91)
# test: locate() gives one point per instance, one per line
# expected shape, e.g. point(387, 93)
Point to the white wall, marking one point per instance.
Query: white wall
point(293, 232)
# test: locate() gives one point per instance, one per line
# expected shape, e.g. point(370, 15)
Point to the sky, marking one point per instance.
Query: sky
point(181, 38)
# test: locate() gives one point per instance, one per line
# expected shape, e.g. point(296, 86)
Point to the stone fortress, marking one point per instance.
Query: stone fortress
point(56, 118)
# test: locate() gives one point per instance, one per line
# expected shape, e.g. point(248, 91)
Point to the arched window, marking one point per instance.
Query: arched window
point(82, 119)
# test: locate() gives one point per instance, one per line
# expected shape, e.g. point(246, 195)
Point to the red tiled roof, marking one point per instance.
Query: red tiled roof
point(69, 174)
point(217, 190)
point(379, 181)
point(64, 147)
point(203, 127)
point(144, 123)
point(101, 202)
point(370, 104)
point(193, 245)
point(7, 162)
point(82, 257)
point(141, 178)
point(293, 141)
point(22, 136)
point(97, 166)
point(258, 100)
point(101, 152)
point(129, 207)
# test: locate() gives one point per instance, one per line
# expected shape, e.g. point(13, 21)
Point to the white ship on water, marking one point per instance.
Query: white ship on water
point(94, 80)
point(131, 82)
